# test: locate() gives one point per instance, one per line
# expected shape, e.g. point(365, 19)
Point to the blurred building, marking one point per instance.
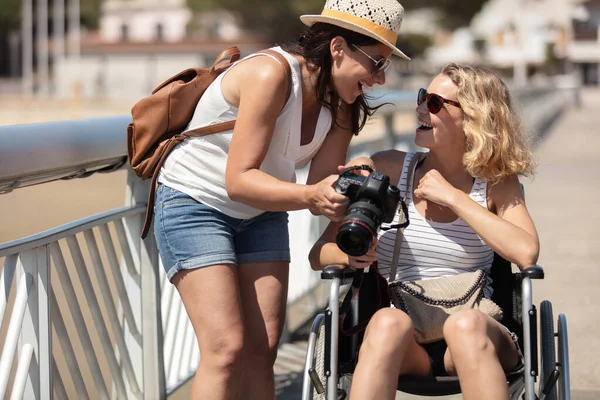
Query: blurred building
point(140, 43)
point(144, 20)
point(508, 34)
point(171, 21)
point(584, 50)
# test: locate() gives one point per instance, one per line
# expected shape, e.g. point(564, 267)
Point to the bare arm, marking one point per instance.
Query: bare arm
point(260, 87)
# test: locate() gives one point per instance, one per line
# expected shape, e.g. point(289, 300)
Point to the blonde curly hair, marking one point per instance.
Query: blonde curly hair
point(497, 144)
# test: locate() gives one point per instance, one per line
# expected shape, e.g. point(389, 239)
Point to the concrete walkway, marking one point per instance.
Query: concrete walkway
point(563, 200)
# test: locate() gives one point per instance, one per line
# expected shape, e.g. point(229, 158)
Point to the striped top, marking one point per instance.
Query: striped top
point(435, 249)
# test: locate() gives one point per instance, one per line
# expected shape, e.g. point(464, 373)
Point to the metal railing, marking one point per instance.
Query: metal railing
point(87, 309)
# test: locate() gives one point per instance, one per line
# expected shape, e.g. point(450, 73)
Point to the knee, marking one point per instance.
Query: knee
point(467, 330)
point(261, 347)
point(387, 331)
point(224, 351)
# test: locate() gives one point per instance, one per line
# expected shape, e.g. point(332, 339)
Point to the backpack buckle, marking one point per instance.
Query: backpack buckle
point(180, 137)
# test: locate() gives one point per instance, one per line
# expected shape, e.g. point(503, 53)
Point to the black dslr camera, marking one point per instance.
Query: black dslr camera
point(372, 201)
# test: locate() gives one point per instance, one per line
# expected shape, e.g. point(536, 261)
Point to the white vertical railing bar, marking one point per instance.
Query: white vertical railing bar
point(59, 387)
point(111, 309)
point(111, 254)
point(196, 357)
point(12, 334)
point(84, 336)
point(178, 346)
point(18, 388)
point(36, 328)
point(166, 299)
point(63, 231)
point(125, 249)
point(92, 300)
point(170, 336)
point(145, 293)
point(67, 349)
point(163, 277)
point(6, 279)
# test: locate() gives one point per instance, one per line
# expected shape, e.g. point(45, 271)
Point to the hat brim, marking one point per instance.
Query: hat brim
point(310, 20)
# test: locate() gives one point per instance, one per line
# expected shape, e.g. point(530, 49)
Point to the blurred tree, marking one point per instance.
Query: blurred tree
point(10, 21)
point(480, 46)
point(90, 13)
point(414, 44)
point(276, 21)
point(10, 15)
point(455, 14)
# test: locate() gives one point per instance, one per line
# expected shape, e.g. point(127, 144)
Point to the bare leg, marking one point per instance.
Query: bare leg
point(480, 350)
point(212, 301)
point(388, 350)
point(263, 289)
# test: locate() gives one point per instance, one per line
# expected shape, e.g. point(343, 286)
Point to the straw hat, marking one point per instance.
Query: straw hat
point(379, 19)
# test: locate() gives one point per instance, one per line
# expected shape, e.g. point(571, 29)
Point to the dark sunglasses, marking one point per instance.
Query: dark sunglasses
point(435, 102)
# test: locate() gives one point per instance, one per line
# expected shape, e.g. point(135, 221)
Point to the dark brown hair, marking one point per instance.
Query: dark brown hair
point(313, 45)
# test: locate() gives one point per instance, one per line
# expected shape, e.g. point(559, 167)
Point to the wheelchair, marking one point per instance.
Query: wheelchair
point(327, 376)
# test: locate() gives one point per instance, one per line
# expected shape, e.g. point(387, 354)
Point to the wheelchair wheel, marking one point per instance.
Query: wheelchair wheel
point(320, 364)
point(344, 381)
point(563, 359)
point(344, 384)
point(548, 347)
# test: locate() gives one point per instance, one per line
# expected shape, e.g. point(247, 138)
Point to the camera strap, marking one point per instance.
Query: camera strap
point(400, 227)
point(363, 167)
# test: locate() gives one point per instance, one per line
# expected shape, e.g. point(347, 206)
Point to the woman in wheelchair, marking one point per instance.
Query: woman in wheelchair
point(465, 202)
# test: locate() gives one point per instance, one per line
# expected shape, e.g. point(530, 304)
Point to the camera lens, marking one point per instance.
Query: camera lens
point(354, 239)
point(358, 228)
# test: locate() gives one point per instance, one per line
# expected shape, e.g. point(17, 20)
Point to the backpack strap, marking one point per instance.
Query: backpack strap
point(233, 54)
point(288, 70)
point(229, 125)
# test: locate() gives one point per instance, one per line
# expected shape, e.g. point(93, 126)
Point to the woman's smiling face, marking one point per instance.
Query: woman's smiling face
point(354, 70)
point(444, 128)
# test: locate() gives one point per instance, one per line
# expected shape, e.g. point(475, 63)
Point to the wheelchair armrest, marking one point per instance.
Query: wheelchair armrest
point(532, 272)
point(335, 271)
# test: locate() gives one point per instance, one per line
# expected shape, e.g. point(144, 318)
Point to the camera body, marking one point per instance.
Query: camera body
point(373, 200)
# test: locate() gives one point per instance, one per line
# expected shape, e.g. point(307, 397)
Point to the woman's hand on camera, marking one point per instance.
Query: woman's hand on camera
point(324, 200)
point(366, 259)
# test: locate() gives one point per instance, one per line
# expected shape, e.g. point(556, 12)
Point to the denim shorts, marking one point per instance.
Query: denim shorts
point(190, 234)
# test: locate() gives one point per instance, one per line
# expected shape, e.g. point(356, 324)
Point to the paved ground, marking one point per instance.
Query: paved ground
point(563, 200)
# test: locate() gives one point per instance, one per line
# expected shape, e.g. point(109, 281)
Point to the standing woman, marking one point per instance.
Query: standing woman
point(222, 201)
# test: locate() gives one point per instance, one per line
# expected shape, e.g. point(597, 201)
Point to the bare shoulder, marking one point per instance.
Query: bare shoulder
point(260, 75)
point(389, 162)
point(504, 194)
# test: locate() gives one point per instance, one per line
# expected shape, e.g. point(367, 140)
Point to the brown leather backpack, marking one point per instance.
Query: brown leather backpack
point(159, 120)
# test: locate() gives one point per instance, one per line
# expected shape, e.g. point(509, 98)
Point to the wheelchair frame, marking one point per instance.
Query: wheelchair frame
point(326, 387)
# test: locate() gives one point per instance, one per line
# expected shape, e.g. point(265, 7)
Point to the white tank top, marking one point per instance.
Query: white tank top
point(435, 249)
point(197, 166)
